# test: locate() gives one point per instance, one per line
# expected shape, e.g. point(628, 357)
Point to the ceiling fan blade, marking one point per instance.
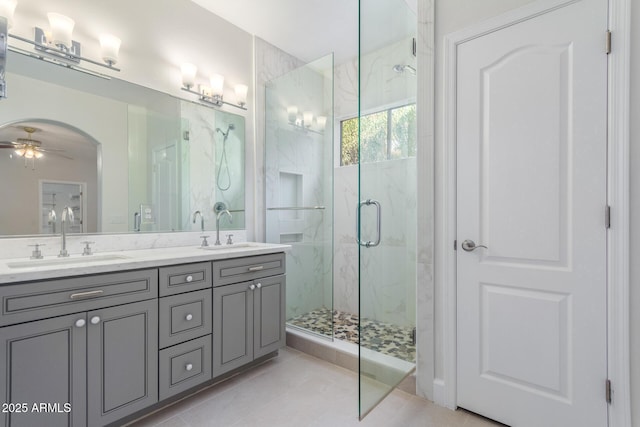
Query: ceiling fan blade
point(50, 150)
point(11, 143)
point(57, 154)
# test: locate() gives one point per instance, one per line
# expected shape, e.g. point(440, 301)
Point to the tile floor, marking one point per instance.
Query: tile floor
point(381, 337)
point(298, 390)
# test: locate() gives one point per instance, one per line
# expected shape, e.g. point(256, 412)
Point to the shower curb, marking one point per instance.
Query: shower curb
point(337, 353)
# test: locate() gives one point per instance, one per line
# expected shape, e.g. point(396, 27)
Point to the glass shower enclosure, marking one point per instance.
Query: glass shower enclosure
point(299, 189)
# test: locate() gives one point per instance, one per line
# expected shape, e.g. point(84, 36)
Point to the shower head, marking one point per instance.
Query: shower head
point(402, 68)
point(230, 128)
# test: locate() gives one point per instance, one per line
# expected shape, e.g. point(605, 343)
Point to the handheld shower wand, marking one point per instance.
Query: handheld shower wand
point(223, 159)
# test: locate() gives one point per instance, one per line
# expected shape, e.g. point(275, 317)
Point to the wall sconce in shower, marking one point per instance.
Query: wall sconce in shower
point(213, 94)
point(58, 43)
point(304, 121)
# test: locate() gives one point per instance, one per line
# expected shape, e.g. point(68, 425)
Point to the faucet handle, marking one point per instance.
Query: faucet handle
point(229, 239)
point(87, 249)
point(204, 243)
point(37, 253)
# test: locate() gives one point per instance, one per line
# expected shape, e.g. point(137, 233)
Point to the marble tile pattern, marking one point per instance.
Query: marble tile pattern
point(298, 174)
point(378, 336)
point(270, 63)
point(298, 390)
point(388, 271)
point(425, 315)
point(205, 154)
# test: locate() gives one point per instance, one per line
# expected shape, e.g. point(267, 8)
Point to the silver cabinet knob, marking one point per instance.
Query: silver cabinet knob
point(470, 245)
point(252, 286)
point(80, 323)
point(95, 320)
point(258, 285)
point(189, 278)
point(188, 317)
point(189, 367)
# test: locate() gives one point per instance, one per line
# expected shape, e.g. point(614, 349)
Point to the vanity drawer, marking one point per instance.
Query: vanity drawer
point(185, 278)
point(184, 366)
point(248, 268)
point(184, 317)
point(38, 300)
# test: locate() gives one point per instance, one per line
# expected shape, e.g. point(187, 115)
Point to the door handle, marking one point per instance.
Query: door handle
point(470, 246)
point(369, 202)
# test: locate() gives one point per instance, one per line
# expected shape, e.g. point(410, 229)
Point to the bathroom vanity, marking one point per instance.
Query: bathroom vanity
point(90, 342)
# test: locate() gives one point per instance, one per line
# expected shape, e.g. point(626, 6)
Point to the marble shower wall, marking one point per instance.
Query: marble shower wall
point(393, 183)
point(203, 160)
point(298, 174)
point(389, 292)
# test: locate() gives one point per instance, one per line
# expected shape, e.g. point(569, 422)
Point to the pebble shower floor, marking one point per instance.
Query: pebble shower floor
point(382, 337)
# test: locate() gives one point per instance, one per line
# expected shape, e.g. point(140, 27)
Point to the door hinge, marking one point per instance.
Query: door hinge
point(607, 216)
point(414, 46)
point(608, 43)
point(455, 245)
point(607, 391)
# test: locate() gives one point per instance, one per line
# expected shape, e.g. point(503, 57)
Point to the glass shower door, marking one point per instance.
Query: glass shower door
point(387, 208)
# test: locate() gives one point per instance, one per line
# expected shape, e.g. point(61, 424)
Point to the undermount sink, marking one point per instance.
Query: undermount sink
point(65, 261)
point(232, 246)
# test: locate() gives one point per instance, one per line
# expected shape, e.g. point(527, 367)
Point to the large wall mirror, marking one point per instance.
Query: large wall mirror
point(125, 158)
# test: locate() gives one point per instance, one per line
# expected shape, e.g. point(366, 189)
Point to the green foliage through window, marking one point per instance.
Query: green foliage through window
point(385, 135)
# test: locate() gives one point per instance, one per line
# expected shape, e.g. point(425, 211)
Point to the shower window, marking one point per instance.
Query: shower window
point(385, 135)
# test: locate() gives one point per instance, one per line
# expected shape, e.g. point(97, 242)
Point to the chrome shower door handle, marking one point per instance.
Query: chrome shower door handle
point(370, 243)
point(470, 246)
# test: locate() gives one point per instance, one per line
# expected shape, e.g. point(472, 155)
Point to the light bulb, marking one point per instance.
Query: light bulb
point(38, 154)
point(322, 121)
point(241, 94)
point(20, 152)
point(307, 116)
point(292, 113)
point(61, 29)
point(110, 48)
point(189, 72)
point(217, 84)
point(29, 153)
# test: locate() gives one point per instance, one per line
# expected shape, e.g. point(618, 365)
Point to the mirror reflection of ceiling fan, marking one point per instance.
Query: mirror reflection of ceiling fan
point(31, 149)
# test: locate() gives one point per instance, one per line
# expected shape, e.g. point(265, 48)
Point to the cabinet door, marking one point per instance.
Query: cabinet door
point(45, 363)
point(269, 315)
point(232, 326)
point(122, 361)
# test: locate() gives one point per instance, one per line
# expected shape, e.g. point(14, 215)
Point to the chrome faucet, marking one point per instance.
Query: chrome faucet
point(67, 215)
point(225, 211)
point(195, 215)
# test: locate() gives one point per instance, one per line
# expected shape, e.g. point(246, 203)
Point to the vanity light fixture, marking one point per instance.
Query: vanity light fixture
point(213, 94)
point(61, 30)
point(110, 46)
point(59, 46)
point(321, 121)
point(189, 75)
point(241, 94)
point(7, 9)
point(303, 122)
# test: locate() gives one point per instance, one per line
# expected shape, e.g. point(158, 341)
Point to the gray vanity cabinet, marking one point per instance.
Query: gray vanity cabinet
point(44, 362)
point(249, 321)
point(122, 361)
point(88, 341)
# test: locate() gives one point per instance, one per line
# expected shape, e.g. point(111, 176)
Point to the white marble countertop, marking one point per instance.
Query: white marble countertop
point(24, 269)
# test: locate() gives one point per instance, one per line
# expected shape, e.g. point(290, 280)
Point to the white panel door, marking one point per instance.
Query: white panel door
point(531, 177)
